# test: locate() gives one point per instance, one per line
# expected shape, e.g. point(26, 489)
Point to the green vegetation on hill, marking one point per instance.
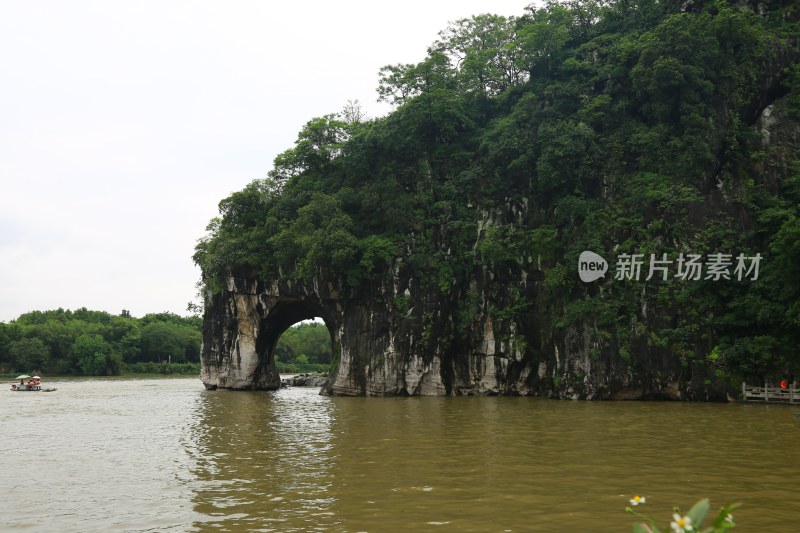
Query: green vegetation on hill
point(95, 343)
point(633, 126)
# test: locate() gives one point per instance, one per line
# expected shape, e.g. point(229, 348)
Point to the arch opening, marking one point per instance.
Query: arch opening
point(281, 317)
point(305, 347)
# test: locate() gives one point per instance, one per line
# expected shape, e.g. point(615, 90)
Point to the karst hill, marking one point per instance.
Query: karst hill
point(441, 243)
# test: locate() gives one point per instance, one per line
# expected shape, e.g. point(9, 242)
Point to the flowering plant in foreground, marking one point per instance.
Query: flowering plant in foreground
point(691, 522)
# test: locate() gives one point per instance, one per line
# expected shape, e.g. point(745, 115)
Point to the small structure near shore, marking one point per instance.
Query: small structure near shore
point(790, 395)
point(304, 380)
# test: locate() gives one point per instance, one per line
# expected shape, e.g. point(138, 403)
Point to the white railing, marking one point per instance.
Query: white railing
point(770, 394)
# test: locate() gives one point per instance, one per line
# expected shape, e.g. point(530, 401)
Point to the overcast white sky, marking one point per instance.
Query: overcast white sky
point(123, 124)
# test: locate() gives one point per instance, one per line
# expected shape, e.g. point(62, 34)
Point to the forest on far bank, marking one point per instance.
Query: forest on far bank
point(304, 347)
point(97, 343)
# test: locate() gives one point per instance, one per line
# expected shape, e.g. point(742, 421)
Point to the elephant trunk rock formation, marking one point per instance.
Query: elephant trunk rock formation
point(393, 338)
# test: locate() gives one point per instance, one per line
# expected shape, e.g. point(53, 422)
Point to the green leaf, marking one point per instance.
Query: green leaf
point(644, 528)
point(699, 511)
point(723, 513)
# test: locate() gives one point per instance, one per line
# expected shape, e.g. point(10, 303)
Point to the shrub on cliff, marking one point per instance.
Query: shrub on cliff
point(519, 142)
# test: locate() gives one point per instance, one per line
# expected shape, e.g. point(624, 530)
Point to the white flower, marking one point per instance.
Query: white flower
point(729, 518)
point(636, 500)
point(681, 524)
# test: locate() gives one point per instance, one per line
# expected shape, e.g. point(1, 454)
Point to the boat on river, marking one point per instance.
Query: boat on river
point(34, 384)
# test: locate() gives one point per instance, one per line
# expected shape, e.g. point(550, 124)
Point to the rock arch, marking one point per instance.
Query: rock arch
point(394, 337)
point(379, 346)
point(242, 327)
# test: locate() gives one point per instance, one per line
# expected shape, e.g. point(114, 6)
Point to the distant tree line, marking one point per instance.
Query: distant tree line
point(92, 343)
point(305, 347)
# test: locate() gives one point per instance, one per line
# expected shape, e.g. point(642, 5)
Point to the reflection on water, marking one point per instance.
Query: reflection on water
point(263, 460)
point(294, 461)
point(166, 455)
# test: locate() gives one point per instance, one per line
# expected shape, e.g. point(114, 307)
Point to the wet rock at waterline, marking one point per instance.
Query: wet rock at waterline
point(304, 380)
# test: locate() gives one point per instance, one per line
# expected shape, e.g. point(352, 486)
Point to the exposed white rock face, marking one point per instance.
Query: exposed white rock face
point(232, 359)
point(764, 123)
point(399, 335)
point(379, 351)
point(419, 348)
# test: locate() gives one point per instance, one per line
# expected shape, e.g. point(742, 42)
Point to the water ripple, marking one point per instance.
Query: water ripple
point(166, 455)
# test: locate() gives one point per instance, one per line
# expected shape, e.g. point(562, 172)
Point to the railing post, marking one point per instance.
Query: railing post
point(766, 393)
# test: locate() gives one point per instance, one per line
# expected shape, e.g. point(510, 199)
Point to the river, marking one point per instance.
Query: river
point(167, 455)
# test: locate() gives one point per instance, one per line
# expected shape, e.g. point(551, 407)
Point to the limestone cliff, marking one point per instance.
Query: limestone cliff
point(397, 337)
point(382, 350)
point(440, 243)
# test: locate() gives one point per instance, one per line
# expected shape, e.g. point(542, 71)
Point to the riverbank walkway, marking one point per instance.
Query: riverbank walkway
point(770, 394)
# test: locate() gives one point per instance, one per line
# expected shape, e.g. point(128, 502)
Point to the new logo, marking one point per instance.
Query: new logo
point(591, 266)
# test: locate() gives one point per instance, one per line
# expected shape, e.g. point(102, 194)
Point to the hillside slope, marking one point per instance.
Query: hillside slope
point(441, 243)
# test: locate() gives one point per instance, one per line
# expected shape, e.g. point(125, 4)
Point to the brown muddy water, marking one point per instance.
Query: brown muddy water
point(166, 455)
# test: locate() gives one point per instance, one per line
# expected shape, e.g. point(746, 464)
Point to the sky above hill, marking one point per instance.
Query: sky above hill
point(125, 123)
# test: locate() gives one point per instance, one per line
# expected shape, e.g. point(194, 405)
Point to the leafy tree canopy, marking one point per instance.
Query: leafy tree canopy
point(96, 342)
point(627, 125)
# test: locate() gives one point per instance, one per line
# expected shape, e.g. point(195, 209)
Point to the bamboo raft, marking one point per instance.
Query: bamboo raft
point(770, 394)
